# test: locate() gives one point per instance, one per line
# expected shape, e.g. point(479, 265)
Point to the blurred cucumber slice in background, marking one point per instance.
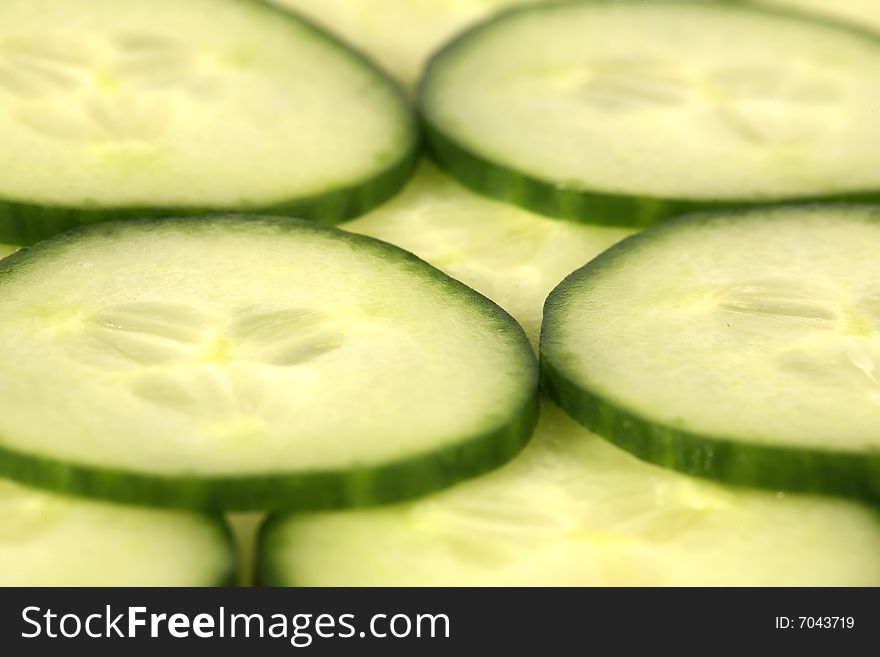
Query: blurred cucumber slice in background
point(399, 35)
point(512, 256)
point(53, 540)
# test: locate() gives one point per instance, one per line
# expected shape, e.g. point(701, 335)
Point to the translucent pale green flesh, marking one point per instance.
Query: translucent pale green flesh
point(761, 327)
point(204, 103)
point(398, 35)
point(50, 540)
point(246, 346)
point(510, 255)
point(574, 510)
point(781, 111)
point(7, 249)
point(245, 528)
point(862, 12)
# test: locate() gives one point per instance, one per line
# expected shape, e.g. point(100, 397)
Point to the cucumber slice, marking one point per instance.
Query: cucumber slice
point(629, 113)
point(863, 12)
point(742, 347)
point(398, 35)
point(51, 540)
point(512, 256)
point(161, 107)
point(574, 510)
point(7, 249)
point(251, 363)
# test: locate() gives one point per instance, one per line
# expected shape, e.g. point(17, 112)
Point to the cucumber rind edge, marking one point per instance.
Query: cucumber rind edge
point(299, 491)
point(771, 467)
point(24, 224)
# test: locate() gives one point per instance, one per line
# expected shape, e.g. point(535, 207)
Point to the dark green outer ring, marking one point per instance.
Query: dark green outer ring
point(26, 221)
point(270, 542)
point(356, 486)
point(746, 464)
point(721, 458)
point(564, 200)
point(300, 491)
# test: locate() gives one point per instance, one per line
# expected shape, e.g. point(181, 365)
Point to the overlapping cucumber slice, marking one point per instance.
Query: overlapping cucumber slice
point(251, 363)
point(743, 347)
point(160, 108)
point(633, 112)
point(51, 540)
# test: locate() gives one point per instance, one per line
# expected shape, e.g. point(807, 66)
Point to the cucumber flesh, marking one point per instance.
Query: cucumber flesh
point(398, 35)
point(548, 107)
point(7, 249)
point(51, 540)
point(740, 346)
point(161, 107)
point(574, 510)
point(251, 363)
point(510, 255)
point(861, 12)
